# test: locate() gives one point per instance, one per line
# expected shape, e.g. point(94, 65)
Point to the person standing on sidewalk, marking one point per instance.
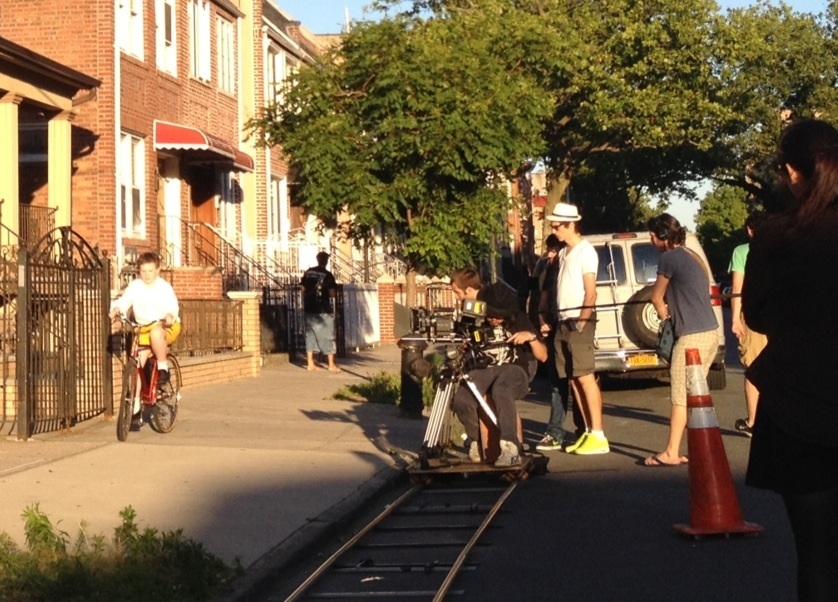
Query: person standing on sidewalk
point(791, 296)
point(751, 343)
point(319, 292)
point(547, 272)
point(574, 337)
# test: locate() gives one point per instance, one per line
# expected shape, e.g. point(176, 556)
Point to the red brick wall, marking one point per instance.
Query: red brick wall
point(195, 283)
point(386, 311)
point(80, 35)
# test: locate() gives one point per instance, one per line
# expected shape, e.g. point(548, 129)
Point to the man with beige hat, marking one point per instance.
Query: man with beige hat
point(576, 324)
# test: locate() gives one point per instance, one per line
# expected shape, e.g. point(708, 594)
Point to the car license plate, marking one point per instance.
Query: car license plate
point(644, 359)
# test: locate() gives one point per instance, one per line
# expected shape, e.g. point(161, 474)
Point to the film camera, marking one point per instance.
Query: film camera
point(465, 330)
point(466, 325)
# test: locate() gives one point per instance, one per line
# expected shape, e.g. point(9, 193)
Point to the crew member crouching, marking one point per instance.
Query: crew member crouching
point(511, 366)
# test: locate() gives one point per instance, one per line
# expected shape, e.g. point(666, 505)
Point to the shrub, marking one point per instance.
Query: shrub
point(136, 565)
point(384, 387)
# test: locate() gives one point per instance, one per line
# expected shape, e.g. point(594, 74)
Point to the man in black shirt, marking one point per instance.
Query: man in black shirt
point(511, 368)
point(319, 290)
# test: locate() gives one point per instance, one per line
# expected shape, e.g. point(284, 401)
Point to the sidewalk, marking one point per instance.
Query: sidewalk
point(251, 466)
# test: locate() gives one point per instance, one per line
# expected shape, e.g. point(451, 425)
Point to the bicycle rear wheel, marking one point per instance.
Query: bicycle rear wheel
point(126, 401)
point(164, 412)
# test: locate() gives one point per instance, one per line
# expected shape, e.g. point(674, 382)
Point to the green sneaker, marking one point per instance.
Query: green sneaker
point(549, 443)
point(572, 448)
point(592, 445)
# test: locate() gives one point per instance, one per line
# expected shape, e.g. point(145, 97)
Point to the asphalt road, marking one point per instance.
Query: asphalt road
point(601, 527)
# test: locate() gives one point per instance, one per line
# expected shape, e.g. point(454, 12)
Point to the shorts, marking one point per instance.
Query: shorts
point(320, 334)
point(751, 345)
point(172, 333)
point(574, 349)
point(707, 343)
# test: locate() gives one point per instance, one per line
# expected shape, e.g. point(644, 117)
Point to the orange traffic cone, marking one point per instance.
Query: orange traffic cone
point(714, 506)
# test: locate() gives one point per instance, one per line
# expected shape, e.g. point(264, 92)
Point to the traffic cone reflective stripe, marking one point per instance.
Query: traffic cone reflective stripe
point(714, 506)
point(702, 418)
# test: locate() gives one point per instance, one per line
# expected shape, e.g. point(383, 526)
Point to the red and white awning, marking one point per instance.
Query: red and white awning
point(175, 137)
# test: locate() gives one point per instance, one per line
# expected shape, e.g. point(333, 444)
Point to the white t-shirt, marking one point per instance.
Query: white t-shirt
point(574, 264)
point(150, 302)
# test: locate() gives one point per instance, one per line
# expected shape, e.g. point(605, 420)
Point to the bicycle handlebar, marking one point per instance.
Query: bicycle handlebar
point(126, 320)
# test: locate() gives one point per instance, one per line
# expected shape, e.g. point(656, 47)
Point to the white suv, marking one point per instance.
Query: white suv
point(627, 323)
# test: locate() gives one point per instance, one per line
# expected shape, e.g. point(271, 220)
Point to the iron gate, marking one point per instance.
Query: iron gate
point(64, 374)
point(283, 321)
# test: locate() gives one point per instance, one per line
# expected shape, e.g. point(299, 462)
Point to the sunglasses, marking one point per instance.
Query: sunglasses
point(557, 225)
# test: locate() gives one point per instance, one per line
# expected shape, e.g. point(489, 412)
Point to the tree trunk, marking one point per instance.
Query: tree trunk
point(410, 287)
point(557, 192)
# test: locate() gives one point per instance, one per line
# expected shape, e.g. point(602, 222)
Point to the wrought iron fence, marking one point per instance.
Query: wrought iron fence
point(210, 326)
point(8, 333)
point(35, 222)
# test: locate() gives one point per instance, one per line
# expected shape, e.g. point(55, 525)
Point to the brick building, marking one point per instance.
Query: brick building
point(159, 156)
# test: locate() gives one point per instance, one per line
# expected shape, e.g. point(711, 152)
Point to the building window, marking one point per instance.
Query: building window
point(273, 80)
point(199, 40)
point(166, 36)
point(278, 209)
point(132, 186)
point(228, 200)
point(129, 24)
point(226, 55)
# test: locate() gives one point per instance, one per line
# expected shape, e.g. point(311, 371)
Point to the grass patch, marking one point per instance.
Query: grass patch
point(384, 387)
point(134, 565)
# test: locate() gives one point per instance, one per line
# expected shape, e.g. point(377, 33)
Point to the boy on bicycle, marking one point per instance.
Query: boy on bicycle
point(154, 303)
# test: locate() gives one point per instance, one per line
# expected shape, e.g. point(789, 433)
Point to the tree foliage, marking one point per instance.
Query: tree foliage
point(411, 126)
point(414, 122)
point(720, 225)
point(776, 65)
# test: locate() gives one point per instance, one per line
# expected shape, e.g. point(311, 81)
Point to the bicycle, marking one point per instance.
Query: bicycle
point(140, 390)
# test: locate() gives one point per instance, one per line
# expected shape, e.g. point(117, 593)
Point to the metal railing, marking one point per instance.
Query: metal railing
point(35, 222)
point(204, 246)
point(210, 326)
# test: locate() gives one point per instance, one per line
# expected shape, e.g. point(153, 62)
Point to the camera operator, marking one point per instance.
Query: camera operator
point(511, 367)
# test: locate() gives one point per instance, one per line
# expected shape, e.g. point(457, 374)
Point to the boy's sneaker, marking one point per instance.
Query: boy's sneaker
point(743, 427)
point(163, 377)
point(508, 454)
point(549, 443)
point(592, 445)
point(574, 446)
point(474, 452)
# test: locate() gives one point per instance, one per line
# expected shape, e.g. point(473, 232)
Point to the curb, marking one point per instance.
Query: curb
point(265, 572)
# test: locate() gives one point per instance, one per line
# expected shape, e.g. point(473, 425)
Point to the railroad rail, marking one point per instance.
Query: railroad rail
point(414, 549)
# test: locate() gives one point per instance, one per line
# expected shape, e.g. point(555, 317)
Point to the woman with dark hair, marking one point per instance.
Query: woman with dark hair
point(681, 293)
point(791, 295)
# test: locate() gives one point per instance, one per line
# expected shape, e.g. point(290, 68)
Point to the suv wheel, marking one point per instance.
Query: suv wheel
point(640, 320)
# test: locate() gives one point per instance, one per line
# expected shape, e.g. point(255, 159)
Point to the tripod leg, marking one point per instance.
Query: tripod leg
point(481, 400)
point(439, 412)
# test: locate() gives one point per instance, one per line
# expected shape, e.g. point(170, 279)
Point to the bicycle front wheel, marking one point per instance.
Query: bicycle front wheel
point(126, 402)
point(164, 412)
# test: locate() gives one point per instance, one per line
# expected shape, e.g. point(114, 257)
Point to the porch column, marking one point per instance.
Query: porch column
point(60, 158)
point(10, 166)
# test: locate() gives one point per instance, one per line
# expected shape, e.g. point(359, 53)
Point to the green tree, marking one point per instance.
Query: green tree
point(414, 123)
point(412, 126)
point(777, 65)
point(720, 225)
